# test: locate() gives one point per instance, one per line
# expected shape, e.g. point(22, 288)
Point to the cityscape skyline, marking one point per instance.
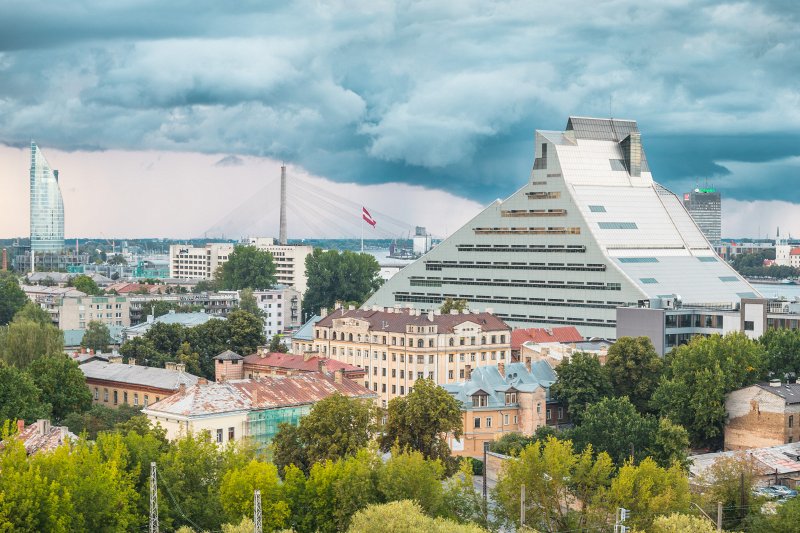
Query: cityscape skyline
point(430, 95)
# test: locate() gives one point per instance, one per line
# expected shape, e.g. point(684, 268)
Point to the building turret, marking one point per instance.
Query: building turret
point(228, 366)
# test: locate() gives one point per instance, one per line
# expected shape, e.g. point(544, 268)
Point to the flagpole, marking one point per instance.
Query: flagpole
point(362, 234)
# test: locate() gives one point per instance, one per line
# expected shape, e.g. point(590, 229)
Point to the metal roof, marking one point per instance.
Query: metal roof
point(489, 380)
point(160, 378)
point(184, 319)
point(781, 459)
point(271, 392)
point(306, 331)
point(229, 355)
point(788, 391)
point(396, 320)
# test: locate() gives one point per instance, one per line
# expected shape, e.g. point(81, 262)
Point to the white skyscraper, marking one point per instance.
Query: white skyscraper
point(590, 231)
point(47, 207)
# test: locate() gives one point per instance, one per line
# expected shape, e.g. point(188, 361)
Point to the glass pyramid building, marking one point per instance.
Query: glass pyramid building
point(589, 232)
point(47, 206)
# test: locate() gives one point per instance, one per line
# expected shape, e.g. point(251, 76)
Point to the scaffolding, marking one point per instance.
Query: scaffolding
point(262, 426)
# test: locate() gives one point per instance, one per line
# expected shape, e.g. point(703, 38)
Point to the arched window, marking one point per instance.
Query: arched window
point(420, 343)
point(350, 337)
point(452, 341)
point(334, 335)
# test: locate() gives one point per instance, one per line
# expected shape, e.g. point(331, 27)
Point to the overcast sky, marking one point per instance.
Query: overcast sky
point(426, 110)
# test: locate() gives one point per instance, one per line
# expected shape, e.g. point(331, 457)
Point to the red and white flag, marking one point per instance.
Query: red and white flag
point(367, 217)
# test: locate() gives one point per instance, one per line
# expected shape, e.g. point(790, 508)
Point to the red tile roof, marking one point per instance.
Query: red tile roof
point(540, 335)
point(397, 320)
point(290, 361)
point(795, 251)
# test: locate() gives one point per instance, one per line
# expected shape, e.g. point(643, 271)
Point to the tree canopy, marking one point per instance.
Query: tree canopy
point(247, 267)
point(582, 381)
point(85, 284)
point(450, 304)
point(634, 368)
point(24, 340)
point(97, 336)
point(339, 276)
point(12, 297)
point(62, 385)
point(20, 398)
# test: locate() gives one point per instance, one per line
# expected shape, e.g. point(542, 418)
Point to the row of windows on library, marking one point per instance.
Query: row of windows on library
point(462, 341)
point(421, 358)
point(115, 397)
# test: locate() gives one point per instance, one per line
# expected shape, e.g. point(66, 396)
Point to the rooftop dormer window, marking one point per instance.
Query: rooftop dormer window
point(480, 400)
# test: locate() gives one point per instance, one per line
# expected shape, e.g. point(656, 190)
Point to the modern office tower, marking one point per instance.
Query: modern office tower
point(589, 232)
point(705, 206)
point(47, 206)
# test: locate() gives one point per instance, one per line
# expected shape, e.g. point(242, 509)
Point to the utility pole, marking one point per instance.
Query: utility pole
point(257, 511)
point(153, 499)
point(719, 516)
point(521, 504)
point(485, 452)
point(282, 237)
point(619, 517)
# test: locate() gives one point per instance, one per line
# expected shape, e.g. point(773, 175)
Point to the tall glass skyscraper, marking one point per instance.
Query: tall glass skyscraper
point(705, 206)
point(47, 207)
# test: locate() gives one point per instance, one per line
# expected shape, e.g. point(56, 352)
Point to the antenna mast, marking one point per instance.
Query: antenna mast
point(153, 499)
point(282, 236)
point(257, 512)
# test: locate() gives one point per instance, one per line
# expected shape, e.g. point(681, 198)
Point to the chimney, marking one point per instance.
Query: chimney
point(114, 359)
point(338, 376)
point(351, 307)
point(430, 316)
point(501, 367)
point(774, 383)
point(322, 365)
point(182, 388)
point(91, 351)
point(255, 396)
point(180, 367)
point(170, 365)
point(83, 350)
point(42, 426)
point(528, 364)
point(468, 371)
point(132, 361)
point(202, 381)
point(20, 426)
point(323, 312)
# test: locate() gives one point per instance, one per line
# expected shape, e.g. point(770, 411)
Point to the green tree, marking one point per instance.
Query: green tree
point(166, 340)
point(335, 427)
point(634, 369)
point(85, 284)
point(699, 374)
point(20, 398)
point(614, 426)
point(245, 332)
point(730, 480)
point(407, 475)
point(189, 357)
point(682, 523)
point(276, 346)
point(511, 443)
point(24, 340)
point(236, 494)
point(209, 340)
point(248, 302)
point(62, 385)
point(205, 285)
point(141, 350)
point(582, 381)
point(555, 478)
point(782, 353)
point(785, 519)
point(648, 491)
point(97, 336)
point(12, 297)
point(405, 517)
point(117, 259)
point(247, 267)
point(31, 311)
point(419, 421)
point(99, 418)
point(450, 304)
point(334, 276)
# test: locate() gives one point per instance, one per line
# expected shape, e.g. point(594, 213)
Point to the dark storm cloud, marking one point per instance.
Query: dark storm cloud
point(442, 94)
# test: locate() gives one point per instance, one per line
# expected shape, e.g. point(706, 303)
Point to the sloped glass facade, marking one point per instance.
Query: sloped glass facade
point(47, 206)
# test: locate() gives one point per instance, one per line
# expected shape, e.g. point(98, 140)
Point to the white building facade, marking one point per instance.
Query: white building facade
point(290, 261)
point(281, 307)
point(197, 262)
point(589, 232)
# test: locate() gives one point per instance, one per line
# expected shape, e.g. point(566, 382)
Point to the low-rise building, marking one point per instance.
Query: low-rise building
point(113, 383)
point(188, 320)
point(217, 304)
point(764, 414)
point(773, 465)
point(303, 338)
point(507, 398)
point(556, 353)
point(233, 410)
point(266, 363)
point(397, 346)
point(565, 334)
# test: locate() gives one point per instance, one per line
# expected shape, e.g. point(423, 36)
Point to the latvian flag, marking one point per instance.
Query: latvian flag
point(367, 217)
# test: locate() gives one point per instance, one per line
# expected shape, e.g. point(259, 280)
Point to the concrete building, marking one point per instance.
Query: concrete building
point(765, 414)
point(787, 255)
point(114, 383)
point(668, 323)
point(303, 338)
point(233, 410)
point(281, 307)
point(265, 363)
point(214, 304)
point(395, 347)
point(290, 261)
point(47, 206)
point(197, 262)
point(71, 309)
point(188, 320)
point(555, 353)
point(589, 232)
point(495, 400)
point(705, 206)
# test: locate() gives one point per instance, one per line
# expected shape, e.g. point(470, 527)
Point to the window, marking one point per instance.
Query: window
point(383, 372)
point(477, 422)
point(728, 278)
point(505, 420)
point(97, 395)
point(430, 359)
point(383, 387)
point(419, 375)
point(749, 325)
point(502, 339)
point(511, 398)
point(146, 400)
point(480, 400)
point(488, 421)
point(617, 225)
point(105, 395)
point(116, 398)
point(561, 413)
point(135, 398)
point(125, 397)
point(394, 372)
point(648, 281)
point(420, 343)
point(597, 209)
point(402, 389)
point(449, 374)
point(231, 433)
point(515, 419)
point(219, 435)
point(638, 260)
point(461, 373)
point(791, 420)
point(548, 414)
point(452, 342)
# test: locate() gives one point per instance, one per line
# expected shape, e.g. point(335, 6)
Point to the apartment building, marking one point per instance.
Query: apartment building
point(216, 304)
point(397, 346)
point(281, 307)
point(197, 262)
point(290, 261)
